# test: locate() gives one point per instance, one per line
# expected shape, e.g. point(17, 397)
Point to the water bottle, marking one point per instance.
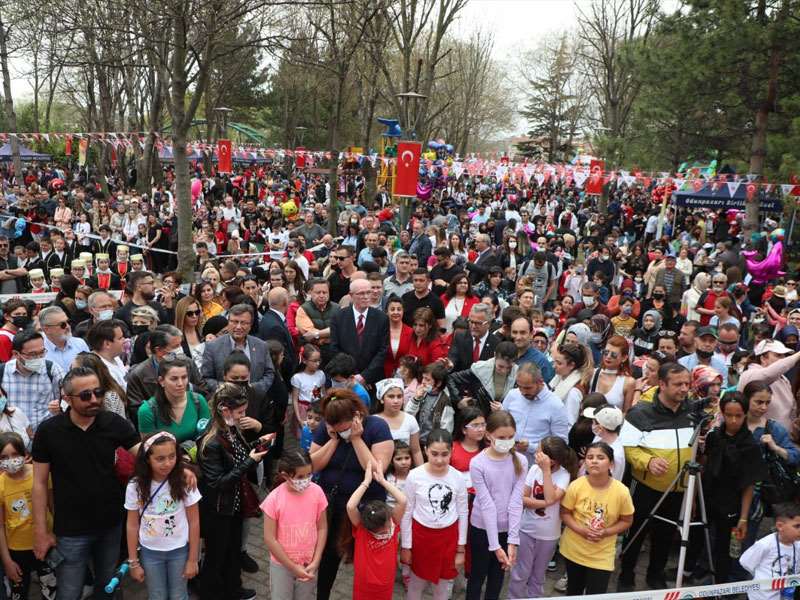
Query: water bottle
point(735, 547)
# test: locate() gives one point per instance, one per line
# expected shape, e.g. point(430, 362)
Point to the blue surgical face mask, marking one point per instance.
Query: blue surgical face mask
point(81, 304)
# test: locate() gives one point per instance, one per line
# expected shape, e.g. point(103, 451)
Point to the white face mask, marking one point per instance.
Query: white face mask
point(173, 354)
point(300, 485)
point(588, 300)
point(34, 364)
point(345, 435)
point(503, 446)
point(12, 465)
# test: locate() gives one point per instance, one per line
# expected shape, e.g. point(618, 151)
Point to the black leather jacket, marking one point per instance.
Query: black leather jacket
point(220, 476)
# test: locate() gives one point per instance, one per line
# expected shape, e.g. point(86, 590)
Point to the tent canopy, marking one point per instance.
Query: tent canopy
point(25, 153)
point(706, 197)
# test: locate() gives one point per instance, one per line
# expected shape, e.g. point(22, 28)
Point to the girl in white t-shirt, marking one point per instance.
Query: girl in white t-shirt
point(545, 486)
point(404, 427)
point(308, 385)
point(163, 518)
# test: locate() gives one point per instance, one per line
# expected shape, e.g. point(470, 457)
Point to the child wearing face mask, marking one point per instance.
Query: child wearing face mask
point(376, 536)
point(498, 476)
point(295, 529)
point(16, 535)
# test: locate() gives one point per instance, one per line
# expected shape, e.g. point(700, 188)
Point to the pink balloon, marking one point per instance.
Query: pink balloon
point(197, 187)
point(767, 269)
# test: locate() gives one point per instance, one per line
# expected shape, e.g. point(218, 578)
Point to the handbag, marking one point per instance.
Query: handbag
point(783, 483)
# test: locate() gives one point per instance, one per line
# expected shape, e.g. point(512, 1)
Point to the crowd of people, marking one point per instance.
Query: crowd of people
point(498, 389)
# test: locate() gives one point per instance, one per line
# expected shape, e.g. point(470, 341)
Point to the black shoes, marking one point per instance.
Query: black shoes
point(247, 594)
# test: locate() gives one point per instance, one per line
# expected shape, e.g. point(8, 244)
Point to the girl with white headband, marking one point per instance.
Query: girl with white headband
point(403, 426)
point(163, 520)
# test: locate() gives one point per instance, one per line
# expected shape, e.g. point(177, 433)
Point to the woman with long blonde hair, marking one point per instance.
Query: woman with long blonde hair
point(189, 318)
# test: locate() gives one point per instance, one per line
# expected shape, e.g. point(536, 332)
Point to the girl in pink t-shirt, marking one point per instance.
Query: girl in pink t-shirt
point(295, 529)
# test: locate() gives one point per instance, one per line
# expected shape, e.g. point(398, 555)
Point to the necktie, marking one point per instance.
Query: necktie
point(360, 326)
point(476, 351)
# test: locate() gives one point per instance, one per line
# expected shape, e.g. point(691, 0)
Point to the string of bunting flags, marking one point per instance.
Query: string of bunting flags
point(591, 178)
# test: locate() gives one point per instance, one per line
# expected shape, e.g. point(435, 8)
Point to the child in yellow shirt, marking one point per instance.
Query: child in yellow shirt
point(16, 514)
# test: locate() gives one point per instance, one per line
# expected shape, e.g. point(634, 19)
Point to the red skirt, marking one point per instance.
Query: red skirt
point(433, 552)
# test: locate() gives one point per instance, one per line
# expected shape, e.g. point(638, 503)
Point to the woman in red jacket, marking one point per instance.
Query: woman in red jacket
point(458, 300)
point(400, 336)
point(426, 344)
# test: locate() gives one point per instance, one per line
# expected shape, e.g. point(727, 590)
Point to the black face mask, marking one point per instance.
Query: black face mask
point(658, 296)
point(138, 329)
point(704, 354)
point(21, 322)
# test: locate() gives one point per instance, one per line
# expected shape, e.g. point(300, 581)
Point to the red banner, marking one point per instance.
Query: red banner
point(407, 173)
point(224, 158)
point(594, 184)
point(68, 147)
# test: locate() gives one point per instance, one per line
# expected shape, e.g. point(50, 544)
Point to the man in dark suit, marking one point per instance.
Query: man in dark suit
point(421, 246)
point(240, 320)
point(485, 261)
point(475, 345)
point(362, 332)
point(273, 327)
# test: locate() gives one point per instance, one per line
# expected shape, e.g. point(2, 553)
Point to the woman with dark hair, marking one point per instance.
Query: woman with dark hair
point(493, 284)
point(343, 446)
point(205, 293)
point(426, 343)
point(458, 299)
point(400, 336)
point(174, 407)
point(115, 399)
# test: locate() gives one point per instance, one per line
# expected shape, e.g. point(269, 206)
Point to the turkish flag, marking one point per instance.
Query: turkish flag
point(224, 163)
point(594, 184)
point(407, 170)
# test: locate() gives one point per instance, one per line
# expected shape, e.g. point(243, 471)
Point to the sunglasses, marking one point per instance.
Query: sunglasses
point(610, 353)
point(87, 395)
point(193, 313)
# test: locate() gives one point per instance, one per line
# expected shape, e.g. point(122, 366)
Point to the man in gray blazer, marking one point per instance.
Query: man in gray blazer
point(240, 320)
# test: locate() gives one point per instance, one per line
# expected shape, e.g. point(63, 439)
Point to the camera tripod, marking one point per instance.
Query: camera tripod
point(694, 487)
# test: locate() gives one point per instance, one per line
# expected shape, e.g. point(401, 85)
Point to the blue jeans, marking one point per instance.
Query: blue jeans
point(163, 572)
point(102, 548)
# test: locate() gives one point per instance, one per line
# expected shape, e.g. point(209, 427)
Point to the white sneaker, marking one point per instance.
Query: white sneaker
point(561, 584)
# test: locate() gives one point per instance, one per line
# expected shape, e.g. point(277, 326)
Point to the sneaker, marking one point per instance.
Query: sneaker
point(551, 566)
point(247, 594)
point(248, 564)
point(561, 584)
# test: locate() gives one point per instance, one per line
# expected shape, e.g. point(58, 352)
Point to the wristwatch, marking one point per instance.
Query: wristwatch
point(316, 335)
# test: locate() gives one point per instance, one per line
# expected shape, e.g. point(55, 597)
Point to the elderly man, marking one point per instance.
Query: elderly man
point(485, 261)
point(537, 411)
point(101, 307)
point(476, 344)
point(421, 246)
point(362, 332)
point(314, 316)
point(61, 346)
point(273, 327)
point(240, 321)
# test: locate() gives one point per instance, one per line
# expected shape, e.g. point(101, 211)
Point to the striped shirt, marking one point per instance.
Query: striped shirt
point(32, 393)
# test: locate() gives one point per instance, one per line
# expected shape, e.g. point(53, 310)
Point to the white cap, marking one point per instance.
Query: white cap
point(608, 417)
point(771, 346)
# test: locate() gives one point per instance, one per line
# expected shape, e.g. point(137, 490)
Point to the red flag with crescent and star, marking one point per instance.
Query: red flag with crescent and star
point(594, 185)
point(407, 173)
point(224, 162)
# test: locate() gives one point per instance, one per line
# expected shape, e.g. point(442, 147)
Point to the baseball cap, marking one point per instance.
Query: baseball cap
point(701, 331)
point(771, 346)
point(607, 416)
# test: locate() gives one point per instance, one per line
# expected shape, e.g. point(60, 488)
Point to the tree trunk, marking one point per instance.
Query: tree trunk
point(183, 200)
point(758, 149)
point(11, 116)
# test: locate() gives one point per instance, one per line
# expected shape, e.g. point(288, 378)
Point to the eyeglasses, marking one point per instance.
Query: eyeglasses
point(62, 324)
point(667, 333)
point(27, 355)
point(477, 323)
point(87, 395)
point(476, 426)
point(193, 313)
point(791, 283)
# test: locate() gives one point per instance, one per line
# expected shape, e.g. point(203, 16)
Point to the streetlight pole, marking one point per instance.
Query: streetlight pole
point(411, 128)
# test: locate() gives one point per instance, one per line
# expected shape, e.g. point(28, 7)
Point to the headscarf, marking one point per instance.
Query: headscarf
point(785, 332)
point(384, 385)
point(656, 317)
point(701, 282)
point(581, 331)
point(703, 376)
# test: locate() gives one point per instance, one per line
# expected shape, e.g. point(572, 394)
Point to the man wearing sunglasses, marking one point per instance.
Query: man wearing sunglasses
point(61, 346)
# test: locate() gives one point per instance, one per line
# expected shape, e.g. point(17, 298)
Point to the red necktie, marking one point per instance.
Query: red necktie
point(476, 351)
point(360, 326)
